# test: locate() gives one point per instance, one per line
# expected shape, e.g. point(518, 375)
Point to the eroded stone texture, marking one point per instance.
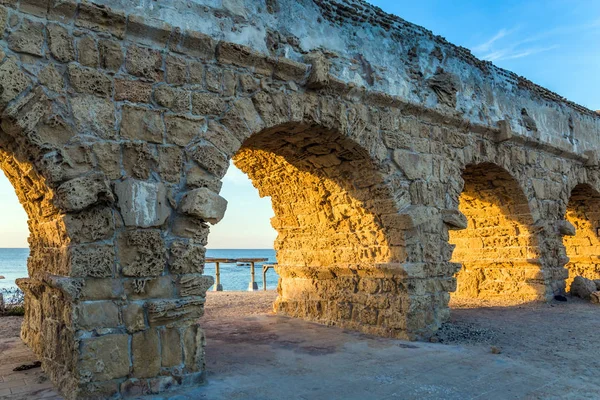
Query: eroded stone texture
point(393, 179)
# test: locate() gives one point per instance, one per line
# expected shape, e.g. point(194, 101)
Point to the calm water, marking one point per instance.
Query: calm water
point(13, 265)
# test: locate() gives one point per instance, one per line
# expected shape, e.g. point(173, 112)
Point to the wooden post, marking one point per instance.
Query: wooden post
point(218, 286)
point(252, 286)
point(265, 269)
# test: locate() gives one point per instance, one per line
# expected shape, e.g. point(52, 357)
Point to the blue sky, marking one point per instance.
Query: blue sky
point(555, 43)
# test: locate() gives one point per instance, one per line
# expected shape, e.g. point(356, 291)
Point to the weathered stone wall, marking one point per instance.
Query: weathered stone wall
point(116, 130)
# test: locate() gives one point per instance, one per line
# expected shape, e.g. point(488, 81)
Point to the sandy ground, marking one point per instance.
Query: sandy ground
point(546, 351)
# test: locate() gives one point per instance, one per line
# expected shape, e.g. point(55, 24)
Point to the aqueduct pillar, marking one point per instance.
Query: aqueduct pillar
point(118, 121)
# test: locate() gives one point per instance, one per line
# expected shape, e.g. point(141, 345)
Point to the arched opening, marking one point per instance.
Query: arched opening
point(330, 203)
point(499, 249)
point(583, 248)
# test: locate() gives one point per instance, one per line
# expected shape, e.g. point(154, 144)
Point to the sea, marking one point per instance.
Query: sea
point(13, 265)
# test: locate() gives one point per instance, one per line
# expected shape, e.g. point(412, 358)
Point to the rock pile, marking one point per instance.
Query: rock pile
point(586, 289)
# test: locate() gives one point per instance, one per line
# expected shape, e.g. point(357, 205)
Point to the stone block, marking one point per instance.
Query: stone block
point(214, 79)
point(87, 52)
point(583, 287)
point(60, 43)
point(100, 18)
point(194, 285)
point(39, 8)
point(170, 161)
point(142, 253)
point(182, 130)
point(289, 70)
point(149, 31)
point(196, 73)
point(96, 261)
point(138, 159)
point(454, 219)
point(12, 82)
point(144, 62)
point(80, 193)
point(186, 258)
point(176, 70)
point(210, 158)
point(150, 288)
point(102, 289)
point(174, 99)
point(566, 228)
point(142, 204)
point(208, 104)
point(191, 228)
point(193, 348)
point(134, 91)
point(145, 354)
point(51, 78)
point(62, 10)
point(108, 155)
point(133, 317)
point(319, 72)
point(90, 225)
point(104, 358)
point(3, 20)
point(142, 124)
point(110, 54)
point(96, 314)
point(242, 56)
point(205, 204)
point(196, 44)
point(219, 136)
point(28, 38)
point(174, 312)
point(414, 165)
point(171, 350)
point(94, 116)
point(197, 177)
point(91, 81)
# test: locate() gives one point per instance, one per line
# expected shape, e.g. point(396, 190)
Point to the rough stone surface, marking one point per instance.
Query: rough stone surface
point(582, 287)
point(395, 180)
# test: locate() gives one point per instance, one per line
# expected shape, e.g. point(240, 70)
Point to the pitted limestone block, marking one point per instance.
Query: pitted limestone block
point(174, 312)
point(182, 130)
point(177, 100)
point(142, 253)
point(144, 62)
point(176, 70)
point(205, 204)
point(100, 18)
point(171, 349)
point(170, 161)
point(51, 78)
point(411, 217)
point(3, 19)
point(506, 132)
point(12, 82)
point(69, 287)
point(133, 317)
point(197, 44)
point(208, 104)
point(209, 158)
point(138, 159)
point(99, 390)
point(141, 203)
point(132, 90)
point(102, 289)
point(110, 54)
point(80, 193)
point(414, 165)
point(214, 79)
point(145, 354)
point(194, 285)
point(90, 81)
point(566, 228)
point(144, 288)
point(60, 43)
point(87, 52)
point(194, 342)
point(197, 177)
point(92, 260)
point(243, 56)
point(582, 287)
point(142, 124)
point(242, 119)
point(224, 140)
point(108, 155)
point(96, 314)
point(595, 297)
point(196, 73)
point(28, 38)
point(289, 70)
point(94, 116)
point(90, 225)
point(186, 258)
point(104, 358)
point(454, 219)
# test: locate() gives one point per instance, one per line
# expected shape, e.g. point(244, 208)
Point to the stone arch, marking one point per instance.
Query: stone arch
point(580, 238)
point(499, 249)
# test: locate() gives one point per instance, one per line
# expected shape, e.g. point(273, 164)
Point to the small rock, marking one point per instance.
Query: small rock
point(560, 297)
point(582, 287)
point(434, 339)
point(595, 297)
point(496, 350)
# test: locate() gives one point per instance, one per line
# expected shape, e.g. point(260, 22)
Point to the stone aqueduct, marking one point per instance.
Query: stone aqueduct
point(397, 164)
